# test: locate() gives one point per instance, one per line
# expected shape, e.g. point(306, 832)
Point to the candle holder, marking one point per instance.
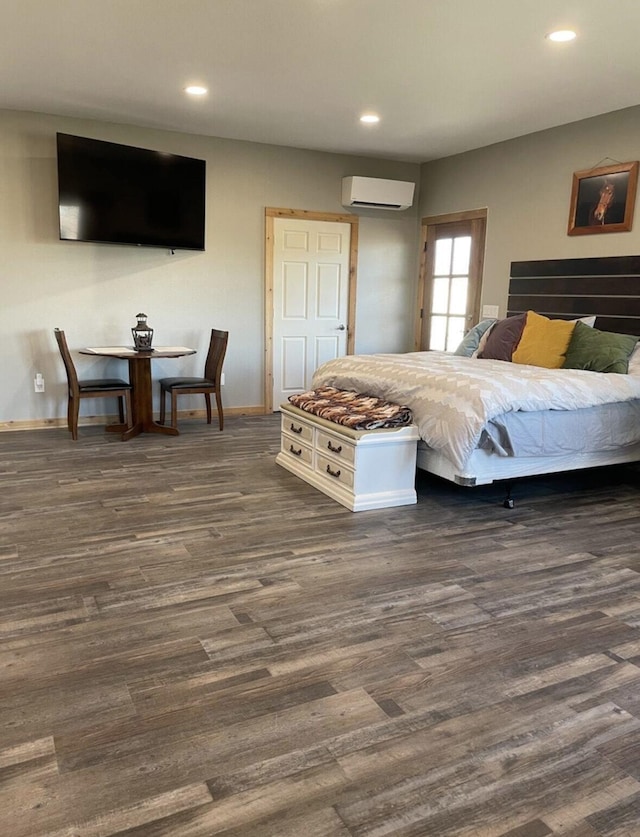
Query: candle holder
point(142, 334)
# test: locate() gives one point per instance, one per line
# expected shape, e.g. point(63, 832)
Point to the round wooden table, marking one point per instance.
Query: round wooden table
point(142, 394)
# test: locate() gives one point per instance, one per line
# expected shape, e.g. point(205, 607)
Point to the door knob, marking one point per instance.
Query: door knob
point(341, 327)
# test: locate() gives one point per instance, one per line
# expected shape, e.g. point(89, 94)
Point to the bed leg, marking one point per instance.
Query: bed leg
point(508, 502)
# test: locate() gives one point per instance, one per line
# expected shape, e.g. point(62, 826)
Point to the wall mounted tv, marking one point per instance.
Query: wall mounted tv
point(117, 194)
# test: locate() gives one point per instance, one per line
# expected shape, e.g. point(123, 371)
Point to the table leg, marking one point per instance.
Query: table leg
point(142, 401)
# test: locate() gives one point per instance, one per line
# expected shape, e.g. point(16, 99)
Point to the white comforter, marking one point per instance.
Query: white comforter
point(453, 397)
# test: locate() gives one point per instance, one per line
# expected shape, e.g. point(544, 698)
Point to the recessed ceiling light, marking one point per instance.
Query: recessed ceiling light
point(562, 35)
point(195, 90)
point(369, 118)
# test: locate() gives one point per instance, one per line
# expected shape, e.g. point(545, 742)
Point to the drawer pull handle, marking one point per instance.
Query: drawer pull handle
point(295, 429)
point(294, 451)
point(331, 473)
point(333, 449)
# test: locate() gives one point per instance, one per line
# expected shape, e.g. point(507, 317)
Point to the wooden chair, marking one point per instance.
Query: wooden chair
point(103, 388)
point(206, 386)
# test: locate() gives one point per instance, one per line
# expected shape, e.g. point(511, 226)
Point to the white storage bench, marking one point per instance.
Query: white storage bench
point(362, 469)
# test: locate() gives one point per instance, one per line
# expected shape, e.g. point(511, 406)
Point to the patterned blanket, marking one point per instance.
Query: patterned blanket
point(452, 397)
point(352, 409)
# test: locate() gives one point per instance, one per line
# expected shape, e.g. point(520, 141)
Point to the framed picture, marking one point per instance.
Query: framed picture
point(602, 199)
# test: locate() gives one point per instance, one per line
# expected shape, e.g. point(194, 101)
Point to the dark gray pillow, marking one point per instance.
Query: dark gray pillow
point(504, 338)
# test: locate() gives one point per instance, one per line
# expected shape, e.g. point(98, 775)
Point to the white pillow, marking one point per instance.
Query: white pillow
point(634, 361)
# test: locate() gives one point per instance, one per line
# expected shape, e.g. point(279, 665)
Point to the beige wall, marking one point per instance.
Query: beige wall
point(94, 291)
point(526, 186)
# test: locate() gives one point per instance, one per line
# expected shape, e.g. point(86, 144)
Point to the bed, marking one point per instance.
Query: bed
point(481, 420)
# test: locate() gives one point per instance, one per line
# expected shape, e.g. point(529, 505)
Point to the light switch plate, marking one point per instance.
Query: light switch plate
point(490, 310)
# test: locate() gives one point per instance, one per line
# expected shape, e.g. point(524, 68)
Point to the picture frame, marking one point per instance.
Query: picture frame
point(603, 199)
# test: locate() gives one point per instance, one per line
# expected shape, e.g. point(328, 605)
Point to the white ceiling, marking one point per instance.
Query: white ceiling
point(445, 76)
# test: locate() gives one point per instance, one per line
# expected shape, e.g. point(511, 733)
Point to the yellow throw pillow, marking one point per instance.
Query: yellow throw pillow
point(544, 342)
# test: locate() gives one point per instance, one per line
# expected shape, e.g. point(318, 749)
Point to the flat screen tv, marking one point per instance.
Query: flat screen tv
point(117, 194)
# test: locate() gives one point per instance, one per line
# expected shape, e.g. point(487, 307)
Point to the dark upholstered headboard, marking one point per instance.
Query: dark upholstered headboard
point(608, 287)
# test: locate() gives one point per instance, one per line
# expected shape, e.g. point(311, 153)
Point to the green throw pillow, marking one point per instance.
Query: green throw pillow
point(599, 351)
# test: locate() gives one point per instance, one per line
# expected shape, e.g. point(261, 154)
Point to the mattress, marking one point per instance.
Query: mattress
point(558, 432)
point(523, 444)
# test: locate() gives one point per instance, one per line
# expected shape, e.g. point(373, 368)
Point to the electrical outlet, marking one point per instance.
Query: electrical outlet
point(38, 382)
point(222, 379)
point(490, 310)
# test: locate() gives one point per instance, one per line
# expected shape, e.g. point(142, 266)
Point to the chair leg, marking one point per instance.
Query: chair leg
point(163, 394)
point(121, 409)
point(220, 413)
point(174, 408)
point(73, 414)
point(128, 410)
point(207, 398)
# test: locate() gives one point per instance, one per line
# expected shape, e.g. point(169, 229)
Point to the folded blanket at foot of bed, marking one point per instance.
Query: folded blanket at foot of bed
point(352, 409)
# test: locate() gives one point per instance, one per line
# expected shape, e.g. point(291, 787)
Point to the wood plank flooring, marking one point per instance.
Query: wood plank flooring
point(193, 642)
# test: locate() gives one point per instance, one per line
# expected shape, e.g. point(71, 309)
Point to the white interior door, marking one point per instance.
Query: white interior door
point(310, 300)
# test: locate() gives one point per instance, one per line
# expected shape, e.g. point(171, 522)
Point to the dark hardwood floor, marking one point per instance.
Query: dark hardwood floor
point(195, 643)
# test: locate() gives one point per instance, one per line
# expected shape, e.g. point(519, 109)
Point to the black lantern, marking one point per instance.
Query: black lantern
point(142, 334)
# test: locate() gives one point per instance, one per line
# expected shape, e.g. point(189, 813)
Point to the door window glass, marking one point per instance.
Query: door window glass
point(450, 290)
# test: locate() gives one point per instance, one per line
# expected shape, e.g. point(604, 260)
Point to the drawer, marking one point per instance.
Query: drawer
point(292, 447)
point(338, 449)
point(298, 429)
point(334, 471)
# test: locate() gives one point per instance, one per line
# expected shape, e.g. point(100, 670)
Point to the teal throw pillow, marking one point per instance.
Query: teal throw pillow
point(471, 340)
point(599, 351)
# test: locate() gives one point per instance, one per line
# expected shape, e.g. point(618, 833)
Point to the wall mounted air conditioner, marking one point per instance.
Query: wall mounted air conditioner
point(376, 193)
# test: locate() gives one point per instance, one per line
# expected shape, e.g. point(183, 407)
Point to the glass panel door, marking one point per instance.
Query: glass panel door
point(450, 281)
point(448, 314)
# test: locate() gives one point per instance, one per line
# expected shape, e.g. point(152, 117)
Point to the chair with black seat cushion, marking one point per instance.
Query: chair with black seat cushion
point(206, 386)
point(101, 388)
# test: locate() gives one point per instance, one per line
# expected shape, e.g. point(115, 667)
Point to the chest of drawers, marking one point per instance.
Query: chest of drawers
point(361, 469)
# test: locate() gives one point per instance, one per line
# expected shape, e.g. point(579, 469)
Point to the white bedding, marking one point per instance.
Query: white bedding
point(452, 397)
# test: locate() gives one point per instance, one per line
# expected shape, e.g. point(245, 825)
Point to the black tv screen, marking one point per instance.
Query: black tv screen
point(117, 194)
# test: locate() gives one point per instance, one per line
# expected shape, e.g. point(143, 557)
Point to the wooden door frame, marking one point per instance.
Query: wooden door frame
point(272, 213)
point(479, 215)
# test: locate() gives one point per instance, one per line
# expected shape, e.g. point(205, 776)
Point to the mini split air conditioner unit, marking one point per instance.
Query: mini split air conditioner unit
point(375, 193)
